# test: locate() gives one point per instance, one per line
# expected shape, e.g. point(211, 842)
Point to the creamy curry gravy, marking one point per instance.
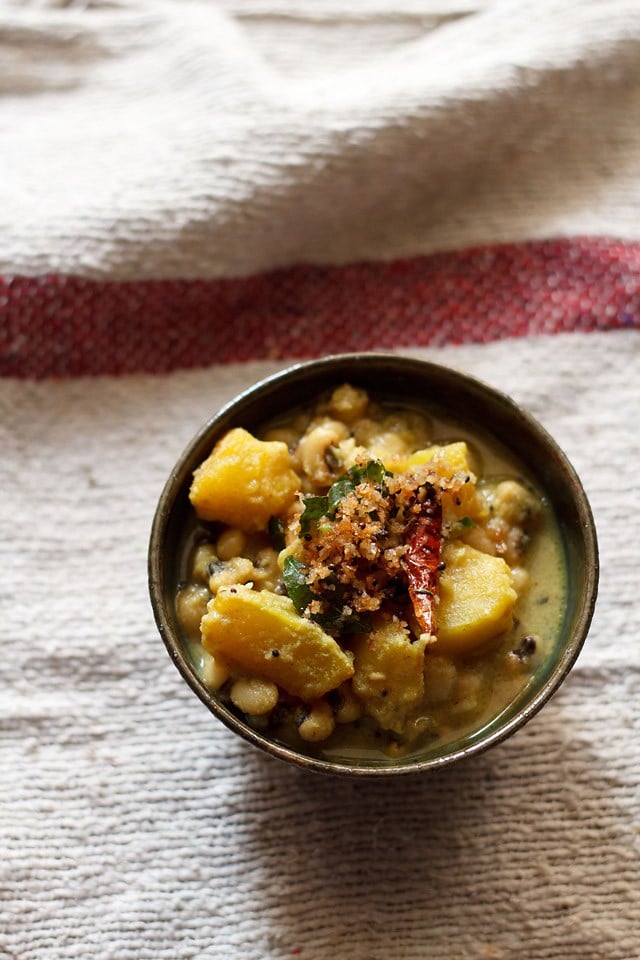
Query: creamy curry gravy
point(463, 690)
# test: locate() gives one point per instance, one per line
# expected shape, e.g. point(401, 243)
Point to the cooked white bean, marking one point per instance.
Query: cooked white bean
point(214, 673)
point(313, 447)
point(254, 696)
point(266, 572)
point(230, 543)
point(191, 606)
point(513, 503)
point(365, 429)
point(349, 707)
point(521, 580)
point(480, 539)
point(348, 403)
point(318, 724)
point(204, 554)
point(231, 572)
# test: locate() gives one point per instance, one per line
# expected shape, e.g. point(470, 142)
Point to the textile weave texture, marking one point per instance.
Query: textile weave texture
point(72, 326)
point(218, 138)
point(136, 826)
point(194, 193)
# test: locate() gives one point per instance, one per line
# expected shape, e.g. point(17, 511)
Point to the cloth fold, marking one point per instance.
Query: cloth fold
point(145, 139)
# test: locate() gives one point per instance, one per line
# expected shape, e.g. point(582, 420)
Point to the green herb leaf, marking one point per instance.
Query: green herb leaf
point(467, 522)
point(335, 622)
point(332, 618)
point(314, 508)
point(355, 624)
point(295, 581)
point(275, 529)
point(372, 472)
point(338, 491)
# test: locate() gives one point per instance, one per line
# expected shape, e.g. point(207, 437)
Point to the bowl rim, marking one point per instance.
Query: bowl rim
point(317, 368)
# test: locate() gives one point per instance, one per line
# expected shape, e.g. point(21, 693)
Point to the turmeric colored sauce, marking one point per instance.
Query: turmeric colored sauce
point(366, 580)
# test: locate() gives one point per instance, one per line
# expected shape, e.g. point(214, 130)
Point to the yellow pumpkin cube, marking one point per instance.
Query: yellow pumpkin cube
point(446, 460)
point(476, 598)
point(260, 634)
point(456, 455)
point(389, 674)
point(244, 481)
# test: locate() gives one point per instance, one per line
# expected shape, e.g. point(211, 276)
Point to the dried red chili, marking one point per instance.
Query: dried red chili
point(421, 562)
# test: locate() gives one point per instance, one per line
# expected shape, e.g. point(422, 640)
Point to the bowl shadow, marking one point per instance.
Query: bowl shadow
point(482, 858)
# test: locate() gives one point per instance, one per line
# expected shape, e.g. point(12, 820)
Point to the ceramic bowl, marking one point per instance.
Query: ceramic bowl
point(402, 379)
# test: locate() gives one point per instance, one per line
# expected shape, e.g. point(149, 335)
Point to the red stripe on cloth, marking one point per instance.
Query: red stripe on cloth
point(65, 326)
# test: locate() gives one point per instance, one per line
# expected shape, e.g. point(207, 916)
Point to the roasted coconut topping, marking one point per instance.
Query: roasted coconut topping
point(373, 542)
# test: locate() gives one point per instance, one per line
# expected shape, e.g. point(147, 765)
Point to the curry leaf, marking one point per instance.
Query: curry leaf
point(340, 489)
point(332, 619)
point(373, 471)
point(275, 529)
point(295, 581)
point(314, 508)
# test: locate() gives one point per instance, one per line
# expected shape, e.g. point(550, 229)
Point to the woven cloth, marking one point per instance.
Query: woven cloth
point(135, 826)
point(201, 138)
point(94, 327)
point(194, 194)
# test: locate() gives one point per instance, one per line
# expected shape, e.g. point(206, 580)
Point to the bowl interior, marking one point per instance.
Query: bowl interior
point(434, 387)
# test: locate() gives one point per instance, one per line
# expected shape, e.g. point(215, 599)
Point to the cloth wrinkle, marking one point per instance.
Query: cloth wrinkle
point(193, 195)
point(182, 139)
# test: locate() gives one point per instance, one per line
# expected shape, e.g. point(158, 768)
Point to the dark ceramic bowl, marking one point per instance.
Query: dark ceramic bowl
point(461, 397)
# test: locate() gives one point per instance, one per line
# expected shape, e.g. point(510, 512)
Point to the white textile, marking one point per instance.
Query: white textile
point(159, 138)
point(136, 827)
point(201, 138)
